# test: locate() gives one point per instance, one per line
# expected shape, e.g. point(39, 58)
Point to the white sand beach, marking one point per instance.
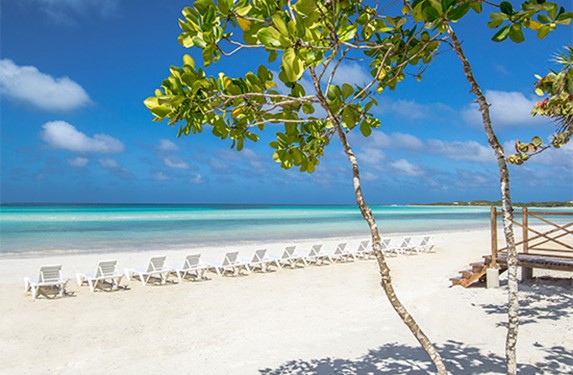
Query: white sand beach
point(332, 319)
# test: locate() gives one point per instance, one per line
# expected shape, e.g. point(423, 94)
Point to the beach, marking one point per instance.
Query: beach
point(331, 319)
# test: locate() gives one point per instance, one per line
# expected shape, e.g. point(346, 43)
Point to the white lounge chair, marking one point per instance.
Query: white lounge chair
point(387, 247)
point(50, 278)
point(192, 267)
point(340, 254)
point(290, 258)
point(156, 270)
point(106, 273)
point(262, 261)
point(315, 256)
point(399, 245)
point(425, 245)
point(232, 264)
point(363, 251)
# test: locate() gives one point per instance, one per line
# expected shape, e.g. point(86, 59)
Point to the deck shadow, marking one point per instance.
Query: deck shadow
point(539, 299)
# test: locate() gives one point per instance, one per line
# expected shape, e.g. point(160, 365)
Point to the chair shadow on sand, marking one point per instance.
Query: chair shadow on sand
point(392, 359)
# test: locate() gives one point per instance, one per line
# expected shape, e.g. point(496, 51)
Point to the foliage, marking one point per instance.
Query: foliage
point(558, 106)
point(537, 15)
point(310, 39)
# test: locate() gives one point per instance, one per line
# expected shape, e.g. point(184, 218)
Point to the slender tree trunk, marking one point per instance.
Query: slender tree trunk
point(386, 279)
point(513, 304)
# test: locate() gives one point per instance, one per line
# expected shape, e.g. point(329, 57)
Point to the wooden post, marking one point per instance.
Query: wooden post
point(525, 221)
point(493, 215)
point(526, 272)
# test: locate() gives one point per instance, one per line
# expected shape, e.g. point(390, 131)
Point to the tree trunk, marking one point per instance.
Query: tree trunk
point(513, 304)
point(386, 279)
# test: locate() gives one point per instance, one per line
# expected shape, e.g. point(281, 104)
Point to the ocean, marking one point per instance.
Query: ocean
point(27, 230)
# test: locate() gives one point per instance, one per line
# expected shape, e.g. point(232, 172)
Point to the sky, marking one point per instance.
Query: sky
point(74, 74)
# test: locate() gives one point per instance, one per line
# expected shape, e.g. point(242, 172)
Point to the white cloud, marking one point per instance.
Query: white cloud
point(353, 74)
point(198, 179)
point(467, 150)
point(406, 168)
point(175, 163)
point(160, 176)
point(165, 145)
point(407, 108)
point(78, 162)
point(507, 109)
point(29, 85)
point(114, 167)
point(109, 163)
point(61, 135)
point(370, 155)
point(395, 140)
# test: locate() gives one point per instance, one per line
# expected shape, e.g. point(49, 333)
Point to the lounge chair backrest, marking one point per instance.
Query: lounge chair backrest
point(156, 263)
point(385, 243)
point(315, 250)
point(191, 261)
point(425, 241)
point(340, 249)
point(363, 245)
point(230, 258)
point(50, 273)
point(406, 242)
point(289, 251)
point(259, 255)
point(106, 268)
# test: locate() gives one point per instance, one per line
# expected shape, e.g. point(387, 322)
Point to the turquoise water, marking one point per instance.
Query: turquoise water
point(35, 230)
point(92, 228)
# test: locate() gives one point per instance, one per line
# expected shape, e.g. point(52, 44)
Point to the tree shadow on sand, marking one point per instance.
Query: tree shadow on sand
point(539, 299)
point(392, 359)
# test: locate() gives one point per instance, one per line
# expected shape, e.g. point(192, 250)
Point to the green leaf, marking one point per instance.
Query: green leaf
point(151, 102)
point(543, 32)
point(188, 60)
point(308, 108)
point(306, 7)
point(225, 6)
point(459, 12)
point(502, 34)
point(292, 65)
point(280, 24)
point(537, 141)
point(347, 90)
point(199, 42)
point(268, 37)
point(160, 111)
point(516, 33)
point(365, 129)
point(506, 8)
point(553, 11)
point(543, 18)
point(477, 7)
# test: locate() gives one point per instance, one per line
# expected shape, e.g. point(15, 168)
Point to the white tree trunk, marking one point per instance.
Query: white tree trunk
point(507, 209)
point(386, 279)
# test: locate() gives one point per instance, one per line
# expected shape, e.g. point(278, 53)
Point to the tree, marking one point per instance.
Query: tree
point(312, 38)
point(558, 106)
point(441, 15)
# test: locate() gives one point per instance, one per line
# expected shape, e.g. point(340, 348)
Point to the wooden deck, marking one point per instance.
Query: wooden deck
point(552, 249)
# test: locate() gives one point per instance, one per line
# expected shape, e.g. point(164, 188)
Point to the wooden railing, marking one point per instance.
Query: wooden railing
point(555, 242)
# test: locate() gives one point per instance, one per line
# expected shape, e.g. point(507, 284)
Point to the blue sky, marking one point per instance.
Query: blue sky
point(74, 74)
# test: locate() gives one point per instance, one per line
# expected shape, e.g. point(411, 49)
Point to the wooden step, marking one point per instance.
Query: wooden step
point(467, 274)
point(456, 281)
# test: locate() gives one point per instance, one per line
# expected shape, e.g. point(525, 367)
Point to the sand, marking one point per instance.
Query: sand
point(331, 319)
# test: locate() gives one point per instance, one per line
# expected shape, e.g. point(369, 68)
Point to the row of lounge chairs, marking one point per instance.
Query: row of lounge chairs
point(108, 274)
